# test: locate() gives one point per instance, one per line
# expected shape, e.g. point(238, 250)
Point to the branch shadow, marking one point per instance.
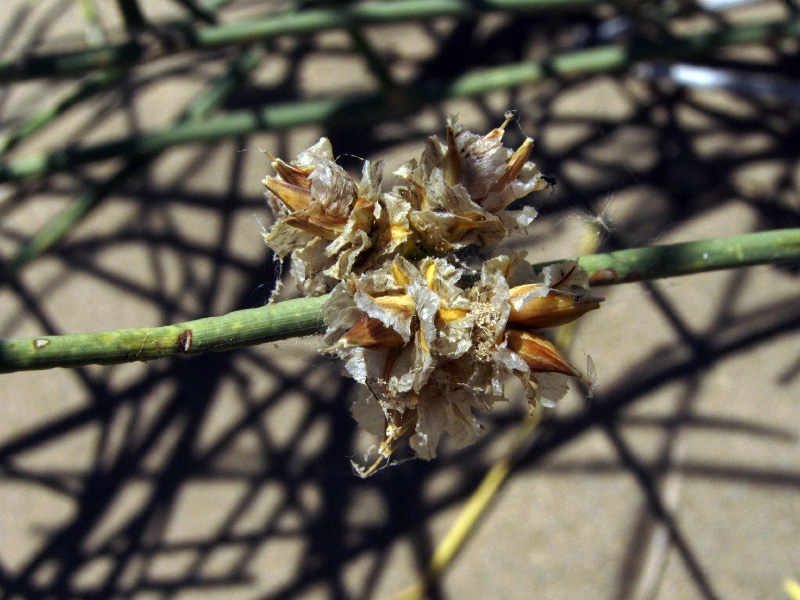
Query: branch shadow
point(230, 474)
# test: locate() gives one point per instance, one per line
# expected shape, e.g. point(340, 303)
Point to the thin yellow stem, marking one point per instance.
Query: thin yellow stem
point(475, 508)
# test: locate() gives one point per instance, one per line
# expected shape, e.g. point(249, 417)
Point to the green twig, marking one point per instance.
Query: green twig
point(199, 108)
point(97, 83)
point(377, 106)
point(302, 317)
point(656, 262)
point(301, 23)
point(236, 329)
point(356, 15)
point(275, 117)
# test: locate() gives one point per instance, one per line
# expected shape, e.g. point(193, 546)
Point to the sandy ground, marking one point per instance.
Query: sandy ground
point(228, 476)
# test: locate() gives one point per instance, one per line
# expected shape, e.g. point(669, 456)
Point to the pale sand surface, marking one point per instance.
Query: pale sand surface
point(228, 476)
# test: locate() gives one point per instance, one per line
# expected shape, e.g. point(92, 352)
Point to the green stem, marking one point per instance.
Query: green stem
point(301, 23)
point(657, 262)
point(311, 21)
point(375, 106)
point(302, 316)
point(241, 328)
point(199, 108)
point(97, 83)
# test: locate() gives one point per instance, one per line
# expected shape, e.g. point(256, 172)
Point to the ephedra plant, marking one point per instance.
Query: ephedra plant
point(399, 271)
point(410, 291)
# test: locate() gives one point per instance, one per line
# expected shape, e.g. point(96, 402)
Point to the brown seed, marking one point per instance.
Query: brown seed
point(514, 166)
point(551, 310)
point(540, 355)
point(452, 314)
point(498, 132)
point(400, 303)
point(322, 226)
point(293, 174)
point(293, 197)
point(400, 278)
point(372, 333)
point(451, 163)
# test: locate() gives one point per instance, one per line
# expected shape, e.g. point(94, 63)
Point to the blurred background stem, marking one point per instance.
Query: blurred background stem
point(97, 82)
point(199, 108)
point(374, 107)
point(307, 22)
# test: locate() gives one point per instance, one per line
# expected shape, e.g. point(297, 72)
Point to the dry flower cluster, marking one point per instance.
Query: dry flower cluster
point(427, 336)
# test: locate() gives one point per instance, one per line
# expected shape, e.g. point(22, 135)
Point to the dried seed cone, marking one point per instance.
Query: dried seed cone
point(323, 217)
point(457, 193)
point(429, 341)
point(429, 349)
point(455, 196)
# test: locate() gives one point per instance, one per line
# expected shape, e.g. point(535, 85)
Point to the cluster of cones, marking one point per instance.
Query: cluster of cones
point(428, 337)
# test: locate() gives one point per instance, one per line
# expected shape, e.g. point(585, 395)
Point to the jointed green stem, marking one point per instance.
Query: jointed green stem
point(88, 89)
point(99, 81)
point(378, 106)
point(302, 316)
point(657, 262)
point(199, 108)
point(296, 23)
point(241, 328)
